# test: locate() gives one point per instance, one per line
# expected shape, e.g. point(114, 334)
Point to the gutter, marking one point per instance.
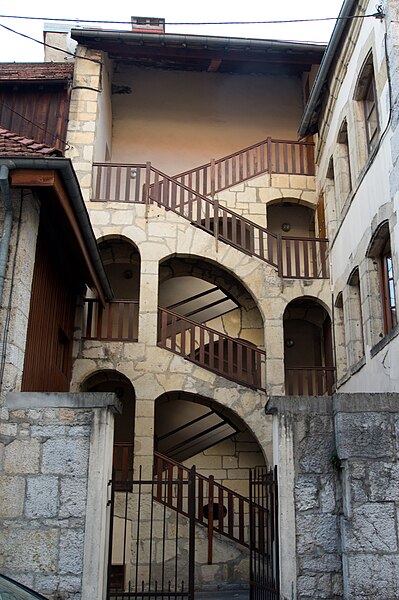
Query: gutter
point(7, 226)
point(64, 167)
point(308, 125)
point(192, 41)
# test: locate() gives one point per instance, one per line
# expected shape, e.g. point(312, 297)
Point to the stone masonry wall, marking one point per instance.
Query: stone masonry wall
point(47, 451)
point(367, 434)
point(316, 494)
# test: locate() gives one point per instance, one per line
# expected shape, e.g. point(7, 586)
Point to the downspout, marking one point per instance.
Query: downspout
point(7, 225)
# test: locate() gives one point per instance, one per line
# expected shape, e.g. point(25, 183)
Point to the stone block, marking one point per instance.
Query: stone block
point(366, 435)
point(307, 491)
point(372, 528)
point(73, 497)
point(372, 578)
point(65, 456)
point(71, 552)
point(41, 497)
point(315, 453)
point(12, 494)
point(317, 534)
point(30, 550)
point(383, 482)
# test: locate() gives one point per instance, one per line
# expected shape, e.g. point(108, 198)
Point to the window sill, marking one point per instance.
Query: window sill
point(351, 371)
point(384, 341)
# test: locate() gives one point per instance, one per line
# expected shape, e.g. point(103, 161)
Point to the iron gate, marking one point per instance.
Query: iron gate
point(264, 551)
point(152, 547)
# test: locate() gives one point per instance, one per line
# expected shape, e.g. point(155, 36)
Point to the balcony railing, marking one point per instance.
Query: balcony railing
point(234, 359)
point(117, 321)
point(309, 381)
point(267, 156)
point(294, 258)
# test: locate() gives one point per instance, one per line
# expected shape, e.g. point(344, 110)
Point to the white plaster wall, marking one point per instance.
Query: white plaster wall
point(103, 127)
point(178, 120)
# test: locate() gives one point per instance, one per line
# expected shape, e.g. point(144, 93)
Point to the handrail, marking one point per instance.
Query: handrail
point(309, 380)
point(232, 358)
point(267, 156)
point(294, 258)
point(116, 321)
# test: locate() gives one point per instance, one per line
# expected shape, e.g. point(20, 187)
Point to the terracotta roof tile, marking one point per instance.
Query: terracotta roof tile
point(12, 144)
point(36, 71)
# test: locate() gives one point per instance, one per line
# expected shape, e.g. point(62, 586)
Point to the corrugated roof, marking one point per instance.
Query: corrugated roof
point(36, 71)
point(12, 144)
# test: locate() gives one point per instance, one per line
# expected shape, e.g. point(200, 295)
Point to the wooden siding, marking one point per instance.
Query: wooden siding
point(41, 114)
point(48, 355)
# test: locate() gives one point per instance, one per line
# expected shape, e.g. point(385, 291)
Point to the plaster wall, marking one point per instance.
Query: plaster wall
point(193, 117)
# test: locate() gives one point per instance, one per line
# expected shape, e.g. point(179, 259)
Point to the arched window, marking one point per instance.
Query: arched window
point(388, 287)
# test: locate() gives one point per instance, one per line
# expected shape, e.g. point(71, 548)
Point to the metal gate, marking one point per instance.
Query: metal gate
point(264, 551)
point(151, 546)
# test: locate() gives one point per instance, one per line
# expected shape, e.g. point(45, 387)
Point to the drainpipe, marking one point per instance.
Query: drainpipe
point(7, 225)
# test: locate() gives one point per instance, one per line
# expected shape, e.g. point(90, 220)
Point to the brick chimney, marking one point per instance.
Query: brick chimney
point(148, 25)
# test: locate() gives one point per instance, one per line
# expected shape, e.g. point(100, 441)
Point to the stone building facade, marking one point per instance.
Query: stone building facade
point(235, 337)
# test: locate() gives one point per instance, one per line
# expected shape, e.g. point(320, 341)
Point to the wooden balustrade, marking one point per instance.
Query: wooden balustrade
point(117, 321)
point(267, 156)
point(309, 381)
point(234, 359)
point(218, 508)
point(122, 465)
point(294, 258)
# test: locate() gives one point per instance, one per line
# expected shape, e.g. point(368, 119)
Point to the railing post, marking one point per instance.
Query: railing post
point(210, 518)
point(269, 159)
point(191, 514)
point(147, 187)
point(213, 170)
point(280, 255)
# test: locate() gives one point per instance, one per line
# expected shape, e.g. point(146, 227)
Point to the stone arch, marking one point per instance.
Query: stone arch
point(187, 283)
point(110, 380)
point(291, 217)
point(308, 349)
point(121, 258)
point(194, 429)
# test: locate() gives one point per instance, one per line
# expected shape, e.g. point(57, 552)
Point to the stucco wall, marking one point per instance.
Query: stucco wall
point(178, 120)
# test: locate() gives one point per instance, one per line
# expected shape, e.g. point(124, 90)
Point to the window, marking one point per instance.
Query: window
point(355, 339)
point(382, 283)
point(366, 94)
point(343, 166)
point(388, 288)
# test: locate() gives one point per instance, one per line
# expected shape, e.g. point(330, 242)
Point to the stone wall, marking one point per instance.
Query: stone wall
point(55, 462)
point(309, 426)
point(345, 489)
point(367, 434)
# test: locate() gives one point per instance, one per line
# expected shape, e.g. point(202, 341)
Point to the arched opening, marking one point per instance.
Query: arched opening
point(118, 320)
point(210, 318)
point(289, 218)
point(308, 353)
point(113, 381)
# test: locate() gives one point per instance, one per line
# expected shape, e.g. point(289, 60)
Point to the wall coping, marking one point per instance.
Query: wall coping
point(355, 402)
point(37, 400)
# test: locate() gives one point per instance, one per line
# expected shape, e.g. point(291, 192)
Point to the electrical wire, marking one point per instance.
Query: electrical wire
point(98, 62)
point(379, 14)
point(53, 135)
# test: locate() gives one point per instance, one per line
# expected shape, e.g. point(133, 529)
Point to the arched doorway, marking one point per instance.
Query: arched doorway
point(113, 381)
point(308, 353)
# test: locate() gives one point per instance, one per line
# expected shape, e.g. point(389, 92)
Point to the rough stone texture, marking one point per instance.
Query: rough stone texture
point(43, 494)
point(317, 495)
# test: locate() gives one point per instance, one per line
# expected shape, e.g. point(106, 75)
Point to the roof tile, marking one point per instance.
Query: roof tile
point(12, 144)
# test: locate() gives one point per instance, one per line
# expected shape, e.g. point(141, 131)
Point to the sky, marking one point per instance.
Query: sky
point(13, 47)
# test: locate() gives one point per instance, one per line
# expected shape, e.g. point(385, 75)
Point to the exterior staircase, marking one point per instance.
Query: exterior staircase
point(187, 194)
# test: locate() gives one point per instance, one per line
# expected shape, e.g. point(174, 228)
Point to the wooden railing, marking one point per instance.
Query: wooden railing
point(234, 359)
point(218, 508)
point(122, 465)
point(267, 156)
point(294, 258)
point(117, 321)
point(309, 381)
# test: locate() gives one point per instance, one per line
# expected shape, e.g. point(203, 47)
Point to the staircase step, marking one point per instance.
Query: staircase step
point(230, 594)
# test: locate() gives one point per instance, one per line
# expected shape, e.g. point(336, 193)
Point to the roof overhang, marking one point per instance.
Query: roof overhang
point(59, 175)
point(202, 53)
point(311, 116)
